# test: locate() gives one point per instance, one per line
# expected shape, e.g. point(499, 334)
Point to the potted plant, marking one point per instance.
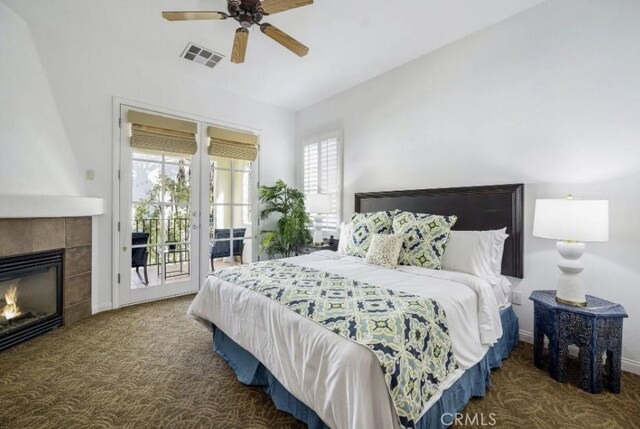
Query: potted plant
point(293, 224)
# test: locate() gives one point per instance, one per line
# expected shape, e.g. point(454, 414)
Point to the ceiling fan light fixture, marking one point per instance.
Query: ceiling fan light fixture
point(247, 13)
point(246, 21)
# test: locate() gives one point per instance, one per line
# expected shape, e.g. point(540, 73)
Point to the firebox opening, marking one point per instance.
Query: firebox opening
point(30, 296)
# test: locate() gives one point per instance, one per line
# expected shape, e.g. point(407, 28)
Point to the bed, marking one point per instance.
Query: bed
point(326, 380)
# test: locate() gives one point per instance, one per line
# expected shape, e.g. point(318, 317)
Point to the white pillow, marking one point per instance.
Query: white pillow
point(345, 234)
point(384, 250)
point(476, 252)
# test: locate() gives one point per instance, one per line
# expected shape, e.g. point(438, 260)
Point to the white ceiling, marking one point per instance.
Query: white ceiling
point(351, 41)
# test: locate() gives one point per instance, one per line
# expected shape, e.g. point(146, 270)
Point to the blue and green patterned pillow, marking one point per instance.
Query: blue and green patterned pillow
point(363, 226)
point(426, 237)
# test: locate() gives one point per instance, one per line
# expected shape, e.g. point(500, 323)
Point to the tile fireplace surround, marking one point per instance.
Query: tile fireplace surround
point(73, 234)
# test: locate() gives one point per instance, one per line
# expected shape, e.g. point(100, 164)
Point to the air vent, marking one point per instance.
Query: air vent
point(201, 55)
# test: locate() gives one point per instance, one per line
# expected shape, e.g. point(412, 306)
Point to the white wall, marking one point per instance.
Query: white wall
point(36, 157)
point(84, 80)
point(549, 98)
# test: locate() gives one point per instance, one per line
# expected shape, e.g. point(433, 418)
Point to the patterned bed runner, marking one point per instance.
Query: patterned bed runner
point(407, 333)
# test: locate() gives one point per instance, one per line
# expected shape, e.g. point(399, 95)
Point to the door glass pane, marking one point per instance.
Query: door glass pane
point(220, 217)
point(146, 180)
point(147, 155)
point(177, 224)
point(177, 188)
point(242, 251)
point(176, 159)
point(220, 237)
point(242, 220)
point(145, 267)
point(217, 162)
point(242, 165)
point(241, 187)
point(177, 262)
point(221, 187)
point(147, 219)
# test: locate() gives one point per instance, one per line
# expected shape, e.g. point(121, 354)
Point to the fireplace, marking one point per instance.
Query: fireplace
point(30, 296)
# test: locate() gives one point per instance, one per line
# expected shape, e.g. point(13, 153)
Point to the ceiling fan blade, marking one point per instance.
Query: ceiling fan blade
point(285, 40)
point(240, 46)
point(192, 16)
point(275, 6)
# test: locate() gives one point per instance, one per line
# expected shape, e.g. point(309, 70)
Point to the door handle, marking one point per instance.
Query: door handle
point(195, 226)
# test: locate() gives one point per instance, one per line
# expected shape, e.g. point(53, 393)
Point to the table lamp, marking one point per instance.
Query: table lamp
point(572, 222)
point(317, 204)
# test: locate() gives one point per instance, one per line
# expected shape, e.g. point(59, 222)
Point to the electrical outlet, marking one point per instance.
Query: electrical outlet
point(90, 174)
point(516, 298)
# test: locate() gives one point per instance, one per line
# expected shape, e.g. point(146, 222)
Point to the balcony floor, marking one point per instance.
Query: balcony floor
point(174, 273)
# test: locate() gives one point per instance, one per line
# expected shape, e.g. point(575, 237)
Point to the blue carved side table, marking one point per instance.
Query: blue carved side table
point(595, 329)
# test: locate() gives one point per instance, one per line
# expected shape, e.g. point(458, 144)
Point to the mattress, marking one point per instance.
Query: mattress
point(329, 373)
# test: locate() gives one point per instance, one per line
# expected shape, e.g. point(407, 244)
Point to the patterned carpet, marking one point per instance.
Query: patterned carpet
point(151, 366)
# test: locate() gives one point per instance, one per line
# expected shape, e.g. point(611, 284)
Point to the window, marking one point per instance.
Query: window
point(321, 175)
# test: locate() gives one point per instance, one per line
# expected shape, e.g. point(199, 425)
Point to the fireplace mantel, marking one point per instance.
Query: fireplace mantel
point(47, 206)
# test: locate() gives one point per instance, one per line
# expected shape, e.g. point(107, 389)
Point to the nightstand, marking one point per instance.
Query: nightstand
point(595, 329)
point(310, 248)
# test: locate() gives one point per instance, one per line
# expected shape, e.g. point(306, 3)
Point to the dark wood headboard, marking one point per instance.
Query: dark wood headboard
point(479, 208)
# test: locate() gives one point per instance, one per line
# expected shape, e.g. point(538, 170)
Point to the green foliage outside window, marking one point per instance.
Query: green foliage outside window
point(148, 217)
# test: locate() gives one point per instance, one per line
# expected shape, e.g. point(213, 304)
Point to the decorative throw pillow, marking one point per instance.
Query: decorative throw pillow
point(425, 238)
point(476, 252)
point(384, 250)
point(363, 226)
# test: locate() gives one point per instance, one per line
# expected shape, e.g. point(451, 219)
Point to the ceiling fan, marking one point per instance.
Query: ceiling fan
point(249, 13)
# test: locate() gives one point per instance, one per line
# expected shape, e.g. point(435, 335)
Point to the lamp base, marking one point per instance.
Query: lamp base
point(318, 236)
point(575, 304)
point(570, 286)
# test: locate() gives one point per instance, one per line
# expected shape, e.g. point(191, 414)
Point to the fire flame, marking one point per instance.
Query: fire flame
point(11, 310)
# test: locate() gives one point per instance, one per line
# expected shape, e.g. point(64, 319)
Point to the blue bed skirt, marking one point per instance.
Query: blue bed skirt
point(474, 382)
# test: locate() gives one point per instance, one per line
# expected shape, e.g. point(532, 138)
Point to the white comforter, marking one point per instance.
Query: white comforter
point(339, 379)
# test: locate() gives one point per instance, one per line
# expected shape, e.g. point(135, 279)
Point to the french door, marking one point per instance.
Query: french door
point(231, 212)
point(180, 217)
point(159, 222)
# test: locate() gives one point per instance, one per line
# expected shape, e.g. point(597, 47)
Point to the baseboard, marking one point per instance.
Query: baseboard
point(526, 336)
point(158, 299)
point(628, 365)
point(105, 306)
point(632, 366)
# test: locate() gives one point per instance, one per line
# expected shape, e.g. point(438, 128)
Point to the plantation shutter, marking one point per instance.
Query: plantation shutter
point(232, 144)
point(321, 175)
point(311, 171)
point(159, 133)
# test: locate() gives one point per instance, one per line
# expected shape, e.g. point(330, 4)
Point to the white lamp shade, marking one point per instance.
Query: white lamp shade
point(572, 219)
point(318, 203)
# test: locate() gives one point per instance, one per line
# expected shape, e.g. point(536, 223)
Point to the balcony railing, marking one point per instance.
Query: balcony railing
point(177, 231)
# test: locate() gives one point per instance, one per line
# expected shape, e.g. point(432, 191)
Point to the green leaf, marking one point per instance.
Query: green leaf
point(293, 222)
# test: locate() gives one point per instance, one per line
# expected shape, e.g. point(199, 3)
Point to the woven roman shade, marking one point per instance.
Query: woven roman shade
point(159, 133)
point(232, 144)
